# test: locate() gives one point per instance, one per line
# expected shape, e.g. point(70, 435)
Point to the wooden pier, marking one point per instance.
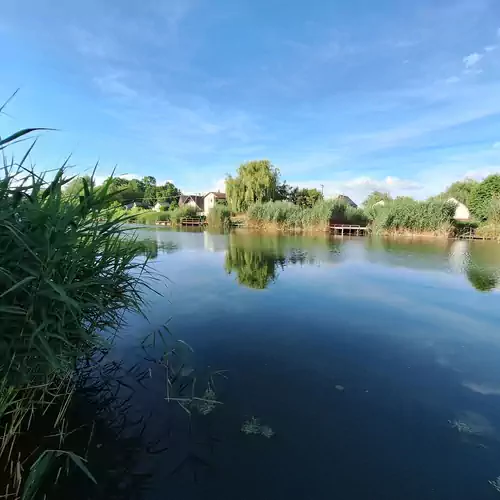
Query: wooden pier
point(348, 229)
point(193, 221)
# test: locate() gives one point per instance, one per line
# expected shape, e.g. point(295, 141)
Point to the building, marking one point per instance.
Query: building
point(461, 211)
point(211, 199)
point(345, 199)
point(136, 204)
point(161, 205)
point(195, 201)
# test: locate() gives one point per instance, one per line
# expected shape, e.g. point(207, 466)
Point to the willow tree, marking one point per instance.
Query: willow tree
point(255, 181)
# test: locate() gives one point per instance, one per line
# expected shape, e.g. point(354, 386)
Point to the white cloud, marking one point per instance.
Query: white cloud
point(114, 85)
point(452, 79)
point(472, 59)
point(496, 145)
point(490, 48)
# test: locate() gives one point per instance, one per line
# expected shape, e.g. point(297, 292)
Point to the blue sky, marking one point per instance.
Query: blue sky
point(355, 95)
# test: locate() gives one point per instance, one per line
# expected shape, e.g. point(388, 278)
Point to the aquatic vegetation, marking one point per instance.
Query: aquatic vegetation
point(69, 272)
point(461, 426)
point(266, 431)
point(253, 426)
point(495, 483)
point(286, 215)
point(207, 403)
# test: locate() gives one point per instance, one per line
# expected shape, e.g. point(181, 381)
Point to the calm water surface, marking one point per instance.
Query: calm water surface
point(376, 363)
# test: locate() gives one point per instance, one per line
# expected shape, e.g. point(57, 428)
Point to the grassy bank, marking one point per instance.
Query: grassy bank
point(282, 215)
point(68, 272)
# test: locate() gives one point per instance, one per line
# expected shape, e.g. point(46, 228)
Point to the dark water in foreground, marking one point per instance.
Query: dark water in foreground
point(376, 364)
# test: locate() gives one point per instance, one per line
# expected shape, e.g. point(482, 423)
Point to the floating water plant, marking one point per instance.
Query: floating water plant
point(495, 483)
point(253, 426)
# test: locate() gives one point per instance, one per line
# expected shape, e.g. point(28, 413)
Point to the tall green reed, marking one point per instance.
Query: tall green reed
point(68, 271)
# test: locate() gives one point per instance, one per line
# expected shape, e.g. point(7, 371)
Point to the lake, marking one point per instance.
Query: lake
point(376, 363)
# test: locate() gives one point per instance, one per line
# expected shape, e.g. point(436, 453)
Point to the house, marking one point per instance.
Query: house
point(211, 200)
point(461, 211)
point(136, 204)
point(345, 199)
point(195, 201)
point(161, 205)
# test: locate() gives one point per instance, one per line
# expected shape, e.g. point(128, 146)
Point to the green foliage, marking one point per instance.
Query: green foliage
point(149, 183)
point(181, 212)
point(307, 197)
point(285, 192)
point(75, 187)
point(143, 191)
point(256, 181)
point(289, 216)
point(482, 279)
point(403, 215)
point(68, 272)
point(168, 193)
point(254, 269)
point(375, 197)
point(219, 217)
point(461, 191)
point(481, 196)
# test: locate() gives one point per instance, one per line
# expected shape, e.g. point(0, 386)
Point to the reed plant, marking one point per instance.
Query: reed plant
point(411, 216)
point(219, 217)
point(286, 215)
point(68, 271)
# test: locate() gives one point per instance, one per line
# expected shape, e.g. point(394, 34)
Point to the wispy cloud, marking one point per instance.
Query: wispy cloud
point(472, 59)
point(113, 84)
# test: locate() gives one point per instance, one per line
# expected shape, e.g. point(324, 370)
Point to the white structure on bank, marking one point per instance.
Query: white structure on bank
point(461, 211)
point(211, 200)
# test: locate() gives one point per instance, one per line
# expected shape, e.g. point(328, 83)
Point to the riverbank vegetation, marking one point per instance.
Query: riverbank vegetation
point(410, 216)
point(285, 215)
point(68, 274)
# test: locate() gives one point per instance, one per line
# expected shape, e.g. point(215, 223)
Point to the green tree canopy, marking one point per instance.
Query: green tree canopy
point(482, 196)
point(308, 197)
point(461, 190)
point(375, 197)
point(149, 190)
point(168, 193)
point(255, 181)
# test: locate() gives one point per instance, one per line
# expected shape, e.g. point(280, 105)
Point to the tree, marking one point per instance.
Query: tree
point(168, 193)
point(375, 197)
point(482, 195)
point(255, 181)
point(461, 190)
point(149, 190)
point(285, 192)
point(125, 191)
point(75, 187)
point(308, 197)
